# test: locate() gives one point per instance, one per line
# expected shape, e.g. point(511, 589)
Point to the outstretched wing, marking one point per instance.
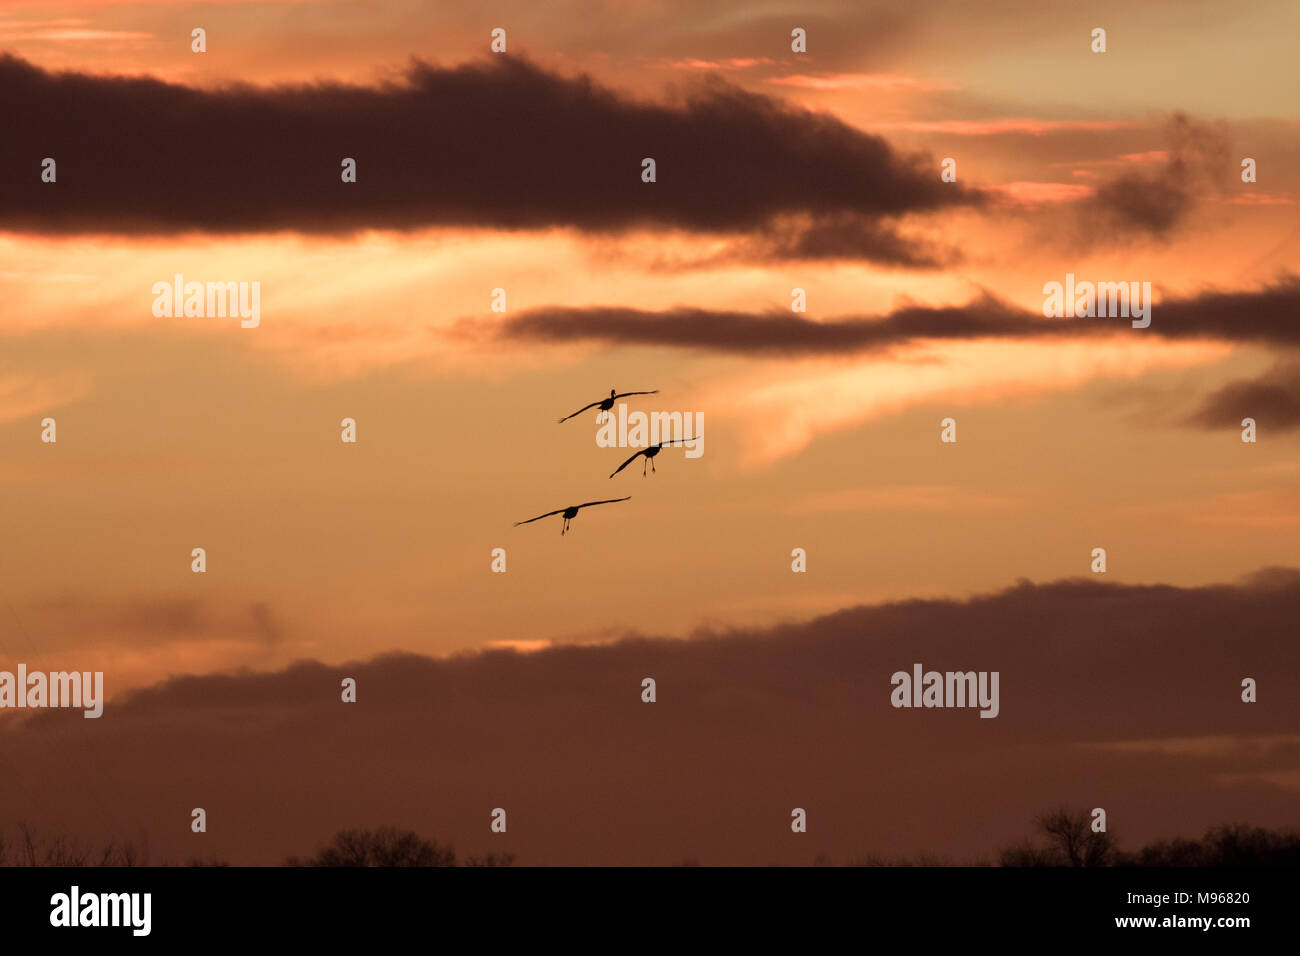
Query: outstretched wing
point(670, 441)
point(653, 391)
point(607, 501)
point(628, 462)
point(579, 411)
point(540, 517)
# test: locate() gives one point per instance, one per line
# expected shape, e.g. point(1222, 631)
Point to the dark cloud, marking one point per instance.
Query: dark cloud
point(748, 724)
point(1265, 315)
point(838, 237)
point(1154, 203)
point(1273, 400)
point(500, 144)
point(1150, 204)
point(767, 333)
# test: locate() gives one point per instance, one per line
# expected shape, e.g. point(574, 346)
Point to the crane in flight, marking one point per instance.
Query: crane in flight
point(570, 512)
point(605, 404)
point(649, 453)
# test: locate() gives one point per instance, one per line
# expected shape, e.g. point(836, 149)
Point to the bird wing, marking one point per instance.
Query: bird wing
point(540, 517)
point(628, 462)
point(669, 441)
point(607, 501)
point(653, 391)
point(579, 411)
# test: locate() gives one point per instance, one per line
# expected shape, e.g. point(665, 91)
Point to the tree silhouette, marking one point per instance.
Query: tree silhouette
point(1072, 835)
point(386, 846)
point(1071, 841)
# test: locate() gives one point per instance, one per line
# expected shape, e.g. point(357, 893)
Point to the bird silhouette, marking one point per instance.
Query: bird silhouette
point(605, 404)
point(570, 512)
point(649, 453)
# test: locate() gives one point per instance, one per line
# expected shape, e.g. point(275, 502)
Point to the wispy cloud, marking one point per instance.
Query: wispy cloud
point(1033, 194)
point(778, 409)
point(1273, 400)
point(732, 63)
point(1006, 126)
point(74, 35)
point(862, 81)
point(24, 395)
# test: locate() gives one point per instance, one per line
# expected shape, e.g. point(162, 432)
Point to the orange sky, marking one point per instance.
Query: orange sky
point(181, 433)
point(176, 433)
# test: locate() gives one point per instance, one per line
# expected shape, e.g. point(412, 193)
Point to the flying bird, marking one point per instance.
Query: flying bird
point(570, 512)
point(649, 453)
point(605, 404)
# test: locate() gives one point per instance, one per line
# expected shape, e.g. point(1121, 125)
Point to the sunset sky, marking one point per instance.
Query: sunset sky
point(522, 171)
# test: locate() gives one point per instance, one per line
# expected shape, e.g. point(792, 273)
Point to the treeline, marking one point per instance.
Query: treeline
point(28, 848)
point(1061, 838)
point(385, 846)
point(1067, 838)
point(389, 846)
